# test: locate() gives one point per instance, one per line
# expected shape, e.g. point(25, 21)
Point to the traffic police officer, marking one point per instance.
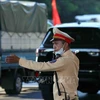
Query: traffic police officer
point(66, 66)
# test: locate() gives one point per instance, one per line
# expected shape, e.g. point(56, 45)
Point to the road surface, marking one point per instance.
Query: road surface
point(30, 91)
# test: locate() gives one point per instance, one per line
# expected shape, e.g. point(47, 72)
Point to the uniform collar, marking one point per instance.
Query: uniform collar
point(66, 53)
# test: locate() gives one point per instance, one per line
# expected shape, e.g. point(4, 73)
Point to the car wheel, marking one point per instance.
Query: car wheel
point(17, 86)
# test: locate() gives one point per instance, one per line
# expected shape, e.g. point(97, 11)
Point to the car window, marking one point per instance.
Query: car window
point(84, 37)
point(46, 42)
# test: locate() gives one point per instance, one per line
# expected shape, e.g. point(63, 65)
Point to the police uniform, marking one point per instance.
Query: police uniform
point(67, 67)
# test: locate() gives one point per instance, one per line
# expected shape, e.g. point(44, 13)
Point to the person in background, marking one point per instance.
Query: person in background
point(66, 67)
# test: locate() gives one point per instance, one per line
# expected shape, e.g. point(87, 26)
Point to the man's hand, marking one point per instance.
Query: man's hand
point(12, 59)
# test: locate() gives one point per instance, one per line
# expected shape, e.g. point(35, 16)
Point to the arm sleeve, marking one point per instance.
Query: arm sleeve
point(43, 66)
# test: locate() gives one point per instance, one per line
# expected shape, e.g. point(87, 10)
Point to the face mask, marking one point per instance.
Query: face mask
point(61, 51)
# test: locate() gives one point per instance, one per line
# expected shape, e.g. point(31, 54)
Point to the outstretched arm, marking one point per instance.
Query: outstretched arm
point(39, 66)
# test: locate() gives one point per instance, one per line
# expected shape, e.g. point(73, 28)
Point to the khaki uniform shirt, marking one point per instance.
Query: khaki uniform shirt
point(67, 68)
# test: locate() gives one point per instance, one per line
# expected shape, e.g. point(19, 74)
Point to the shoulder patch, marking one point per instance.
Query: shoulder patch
point(52, 61)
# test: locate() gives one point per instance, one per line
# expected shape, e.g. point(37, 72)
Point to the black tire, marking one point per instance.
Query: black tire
point(17, 86)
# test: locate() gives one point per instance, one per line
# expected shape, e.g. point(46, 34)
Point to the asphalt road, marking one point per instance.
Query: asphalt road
point(26, 94)
point(31, 92)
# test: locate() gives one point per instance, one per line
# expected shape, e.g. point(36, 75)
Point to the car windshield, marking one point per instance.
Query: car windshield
point(84, 37)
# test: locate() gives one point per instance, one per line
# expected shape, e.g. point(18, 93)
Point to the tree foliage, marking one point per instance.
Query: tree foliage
point(68, 9)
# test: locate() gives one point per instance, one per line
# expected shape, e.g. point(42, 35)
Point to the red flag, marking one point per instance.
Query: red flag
point(55, 15)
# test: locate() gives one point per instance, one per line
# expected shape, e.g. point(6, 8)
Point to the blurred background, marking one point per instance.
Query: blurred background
point(68, 9)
